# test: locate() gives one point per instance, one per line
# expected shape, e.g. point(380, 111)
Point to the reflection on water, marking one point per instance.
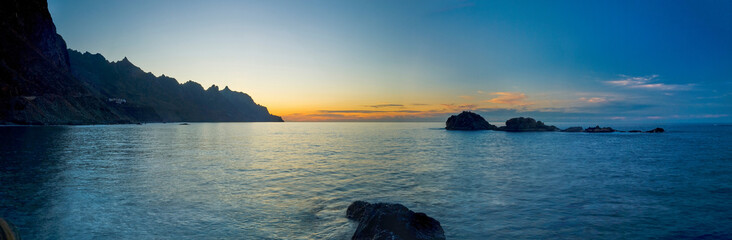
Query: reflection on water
point(295, 180)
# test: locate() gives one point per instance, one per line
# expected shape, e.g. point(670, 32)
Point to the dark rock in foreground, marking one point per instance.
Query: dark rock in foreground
point(522, 124)
point(573, 129)
point(468, 121)
point(656, 130)
point(392, 221)
point(598, 129)
point(635, 131)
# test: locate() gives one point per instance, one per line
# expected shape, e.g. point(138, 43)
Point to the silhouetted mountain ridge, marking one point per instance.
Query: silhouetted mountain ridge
point(42, 82)
point(150, 99)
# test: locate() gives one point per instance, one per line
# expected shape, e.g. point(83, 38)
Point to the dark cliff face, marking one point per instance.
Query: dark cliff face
point(148, 98)
point(41, 84)
point(36, 85)
point(29, 36)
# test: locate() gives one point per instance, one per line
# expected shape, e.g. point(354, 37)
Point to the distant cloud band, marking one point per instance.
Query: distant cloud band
point(645, 83)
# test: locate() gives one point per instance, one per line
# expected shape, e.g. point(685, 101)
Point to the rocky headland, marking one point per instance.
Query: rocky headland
point(42, 82)
point(382, 221)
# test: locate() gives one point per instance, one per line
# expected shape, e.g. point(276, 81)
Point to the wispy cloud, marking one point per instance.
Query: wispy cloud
point(593, 99)
point(714, 96)
point(458, 107)
point(368, 111)
point(647, 82)
point(710, 116)
point(386, 105)
point(510, 98)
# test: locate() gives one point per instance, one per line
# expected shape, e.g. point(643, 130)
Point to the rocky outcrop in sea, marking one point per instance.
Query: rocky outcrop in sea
point(468, 121)
point(598, 129)
point(656, 130)
point(382, 221)
point(522, 124)
point(573, 129)
point(473, 121)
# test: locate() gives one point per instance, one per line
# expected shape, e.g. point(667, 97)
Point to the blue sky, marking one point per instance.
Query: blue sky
point(667, 61)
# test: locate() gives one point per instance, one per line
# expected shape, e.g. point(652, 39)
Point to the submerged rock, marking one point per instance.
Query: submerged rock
point(635, 131)
point(656, 130)
point(392, 221)
point(573, 129)
point(598, 129)
point(522, 124)
point(468, 121)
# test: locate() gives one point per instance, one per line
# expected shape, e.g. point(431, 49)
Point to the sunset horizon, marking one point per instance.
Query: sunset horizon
point(633, 62)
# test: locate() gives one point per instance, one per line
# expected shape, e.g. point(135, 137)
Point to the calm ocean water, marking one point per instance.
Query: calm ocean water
point(295, 181)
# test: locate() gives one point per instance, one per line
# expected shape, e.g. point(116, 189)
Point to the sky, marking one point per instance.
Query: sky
point(557, 61)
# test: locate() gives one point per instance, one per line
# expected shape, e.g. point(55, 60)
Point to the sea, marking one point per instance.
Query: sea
point(295, 180)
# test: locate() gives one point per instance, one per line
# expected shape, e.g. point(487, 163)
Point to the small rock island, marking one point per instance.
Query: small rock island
point(392, 221)
point(522, 124)
point(573, 129)
point(598, 129)
point(656, 130)
point(468, 121)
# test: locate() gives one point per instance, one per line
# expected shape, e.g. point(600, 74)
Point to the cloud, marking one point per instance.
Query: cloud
point(715, 97)
point(368, 111)
point(386, 105)
point(710, 116)
point(593, 100)
point(614, 106)
point(510, 98)
point(647, 83)
point(327, 115)
point(458, 107)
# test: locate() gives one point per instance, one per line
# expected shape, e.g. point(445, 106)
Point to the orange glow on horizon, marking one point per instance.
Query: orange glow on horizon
point(350, 110)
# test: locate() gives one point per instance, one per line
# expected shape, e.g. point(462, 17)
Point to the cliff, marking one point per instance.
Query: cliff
point(42, 82)
point(36, 85)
